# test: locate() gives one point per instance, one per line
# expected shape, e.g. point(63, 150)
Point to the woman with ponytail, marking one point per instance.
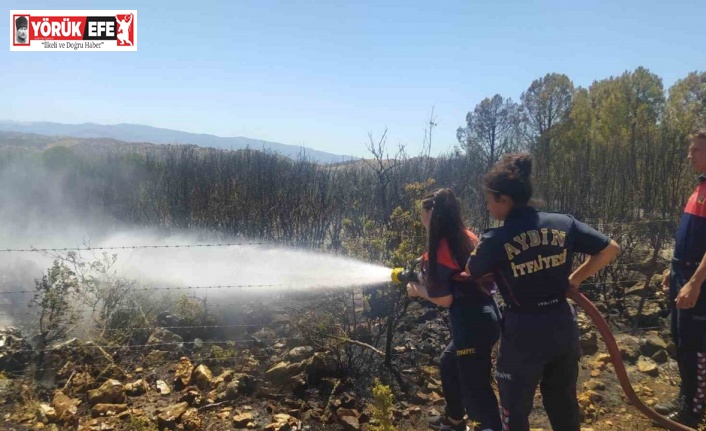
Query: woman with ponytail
point(474, 316)
point(530, 257)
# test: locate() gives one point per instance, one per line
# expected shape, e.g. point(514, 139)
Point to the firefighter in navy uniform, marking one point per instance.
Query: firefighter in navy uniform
point(530, 257)
point(466, 365)
point(688, 303)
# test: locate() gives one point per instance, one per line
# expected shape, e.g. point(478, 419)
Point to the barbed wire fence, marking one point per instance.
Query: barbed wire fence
point(252, 341)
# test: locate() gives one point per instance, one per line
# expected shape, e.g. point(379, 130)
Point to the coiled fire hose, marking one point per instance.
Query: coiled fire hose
point(406, 275)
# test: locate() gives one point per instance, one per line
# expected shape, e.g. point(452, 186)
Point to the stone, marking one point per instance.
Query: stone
point(350, 423)
point(661, 357)
point(191, 420)
point(282, 422)
point(224, 377)
point(164, 338)
point(242, 420)
point(136, 388)
point(629, 347)
point(156, 358)
point(202, 376)
point(45, 413)
point(182, 375)
point(653, 344)
point(321, 365)
point(594, 385)
point(647, 366)
point(171, 415)
point(66, 409)
point(110, 392)
point(650, 317)
point(15, 350)
point(300, 353)
point(162, 387)
point(589, 343)
point(107, 409)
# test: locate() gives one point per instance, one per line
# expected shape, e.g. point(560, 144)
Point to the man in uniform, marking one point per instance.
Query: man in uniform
point(688, 305)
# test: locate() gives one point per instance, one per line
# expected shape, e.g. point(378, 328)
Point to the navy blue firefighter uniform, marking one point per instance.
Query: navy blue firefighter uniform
point(466, 366)
point(530, 257)
point(689, 325)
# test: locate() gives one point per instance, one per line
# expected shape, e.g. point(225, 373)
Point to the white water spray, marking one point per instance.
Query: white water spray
point(277, 268)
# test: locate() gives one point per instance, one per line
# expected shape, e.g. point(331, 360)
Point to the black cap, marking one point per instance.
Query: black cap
point(21, 22)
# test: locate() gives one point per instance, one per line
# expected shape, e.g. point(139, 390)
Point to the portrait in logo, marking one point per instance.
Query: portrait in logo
point(21, 30)
point(124, 29)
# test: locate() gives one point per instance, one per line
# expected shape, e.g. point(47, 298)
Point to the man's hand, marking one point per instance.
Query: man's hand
point(413, 289)
point(688, 295)
point(666, 282)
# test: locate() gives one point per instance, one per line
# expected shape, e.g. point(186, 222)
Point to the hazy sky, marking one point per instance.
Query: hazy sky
point(325, 73)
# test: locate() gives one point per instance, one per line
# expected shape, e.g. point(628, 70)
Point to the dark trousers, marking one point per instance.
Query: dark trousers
point(539, 348)
point(689, 335)
point(466, 368)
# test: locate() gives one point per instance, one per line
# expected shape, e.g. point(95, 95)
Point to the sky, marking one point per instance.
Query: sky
point(325, 74)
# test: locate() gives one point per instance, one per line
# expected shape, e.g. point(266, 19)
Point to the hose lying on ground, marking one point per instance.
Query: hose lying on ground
point(617, 361)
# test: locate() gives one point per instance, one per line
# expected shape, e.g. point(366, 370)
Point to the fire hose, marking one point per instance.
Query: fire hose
point(617, 361)
point(405, 275)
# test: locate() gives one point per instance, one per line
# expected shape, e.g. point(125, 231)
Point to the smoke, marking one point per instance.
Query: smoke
point(40, 210)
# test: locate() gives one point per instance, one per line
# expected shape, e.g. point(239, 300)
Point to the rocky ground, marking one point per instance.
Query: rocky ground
point(277, 383)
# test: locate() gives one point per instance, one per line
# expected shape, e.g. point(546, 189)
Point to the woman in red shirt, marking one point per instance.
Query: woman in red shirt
point(473, 314)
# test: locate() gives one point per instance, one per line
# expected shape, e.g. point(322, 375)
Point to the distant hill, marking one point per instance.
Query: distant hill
point(141, 133)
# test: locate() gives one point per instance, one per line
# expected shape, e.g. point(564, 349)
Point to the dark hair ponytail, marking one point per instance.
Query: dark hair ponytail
point(511, 176)
point(446, 223)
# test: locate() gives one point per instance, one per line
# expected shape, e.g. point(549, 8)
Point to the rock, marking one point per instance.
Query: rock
point(282, 372)
point(300, 353)
point(298, 384)
point(647, 366)
point(283, 422)
point(182, 375)
point(321, 365)
point(191, 420)
point(347, 412)
point(66, 409)
point(241, 384)
point(224, 377)
point(594, 385)
point(348, 401)
point(162, 387)
point(156, 358)
point(136, 388)
point(202, 376)
point(111, 371)
point(107, 409)
point(603, 358)
point(661, 357)
point(636, 289)
point(587, 403)
point(589, 343)
point(82, 382)
point(242, 420)
point(15, 351)
point(629, 347)
point(653, 344)
point(171, 415)
point(651, 314)
point(166, 339)
point(350, 423)
point(45, 413)
point(110, 392)
point(192, 397)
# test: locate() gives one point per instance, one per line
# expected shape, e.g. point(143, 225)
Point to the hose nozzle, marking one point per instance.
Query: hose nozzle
point(404, 275)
